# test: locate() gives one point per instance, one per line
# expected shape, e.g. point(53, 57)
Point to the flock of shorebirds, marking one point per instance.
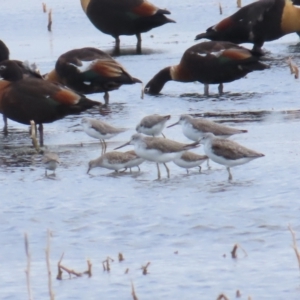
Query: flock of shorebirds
point(26, 95)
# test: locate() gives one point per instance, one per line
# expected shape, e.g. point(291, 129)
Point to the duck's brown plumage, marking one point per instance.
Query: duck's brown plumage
point(90, 70)
point(208, 63)
point(23, 100)
point(124, 17)
point(260, 21)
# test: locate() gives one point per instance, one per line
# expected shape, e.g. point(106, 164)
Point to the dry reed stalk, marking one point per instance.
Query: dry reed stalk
point(295, 247)
point(220, 8)
point(44, 7)
point(27, 271)
point(234, 251)
point(33, 136)
point(222, 296)
point(51, 293)
point(120, 257)
point(239, 3)
point(133, 292)
point(144, 268)
point(106, 264)
point(293, 68)
point(142, 91)
point(63, 268)
point(89, 270)
point(49, 20)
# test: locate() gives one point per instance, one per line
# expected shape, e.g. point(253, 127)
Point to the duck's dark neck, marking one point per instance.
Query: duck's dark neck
point(12, 72)
point(156, 84)
point(4, 52)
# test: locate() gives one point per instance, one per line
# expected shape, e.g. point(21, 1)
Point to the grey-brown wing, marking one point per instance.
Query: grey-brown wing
point(231, 150)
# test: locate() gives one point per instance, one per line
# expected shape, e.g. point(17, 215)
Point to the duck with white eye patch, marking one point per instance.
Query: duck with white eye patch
point(226, 152)
point(208, 63)
point(157, 149)
point(90, 70)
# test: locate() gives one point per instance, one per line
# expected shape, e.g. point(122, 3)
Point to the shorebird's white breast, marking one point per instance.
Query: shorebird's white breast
point(222, 160)
point(51, 165)
point(112, 166)
point(95, 133)
point(190, 132)
point(153, 131)
point(134, 162)
point(155, 155)
point(187, 164)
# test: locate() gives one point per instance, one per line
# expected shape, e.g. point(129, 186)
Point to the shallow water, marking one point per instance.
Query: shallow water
point(185, 226)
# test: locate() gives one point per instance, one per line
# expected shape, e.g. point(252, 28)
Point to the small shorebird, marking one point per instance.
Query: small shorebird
point(50, 160)
point(100, 130)
point(152, 125)
point(113, 161)
point(157, 149)
point(227, 153)
point(190, 160)
point(135, 161)
point(195, 128)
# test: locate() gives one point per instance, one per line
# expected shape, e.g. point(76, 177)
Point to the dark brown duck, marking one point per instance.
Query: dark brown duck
point(208, 63)
point(90, 70)
point(23, 100)
point(124, 17)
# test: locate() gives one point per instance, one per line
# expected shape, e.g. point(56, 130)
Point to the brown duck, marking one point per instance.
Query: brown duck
point(256, 23)
point(23, 100)
point(208, 63)
point(124, 17)
point(90, 70)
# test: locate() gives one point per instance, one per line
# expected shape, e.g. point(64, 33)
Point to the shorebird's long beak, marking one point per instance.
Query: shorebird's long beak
point(74, 125)
point(173, 124)
point(126, 144)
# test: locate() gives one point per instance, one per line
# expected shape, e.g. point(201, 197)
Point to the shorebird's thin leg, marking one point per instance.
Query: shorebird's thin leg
point(158, 171)
point(220, 88)
point(163, 135)
point(101, 143)
point(206, 90)
point(41, 134)
point(208, 166)
point(168, 171)
point(124, 170)
point(130, 170)
point(199, 169)
point(139, 43)
point(5, 130)
point(139, 168)
point(229, 173)
point(45, 172)
point(106, 98)
point(105, 146)
point(187, 171)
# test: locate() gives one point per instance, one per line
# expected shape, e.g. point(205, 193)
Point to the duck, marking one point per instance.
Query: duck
point(256, 23)
point(27, 69)
point(90, 70)
point(26, 99)
point(125, 17)
point(209, 63)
